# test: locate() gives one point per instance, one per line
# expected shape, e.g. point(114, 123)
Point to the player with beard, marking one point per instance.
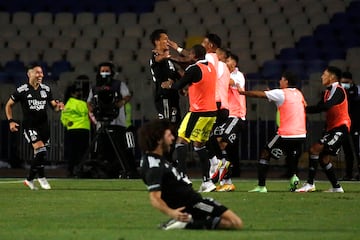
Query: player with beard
point(168, 191)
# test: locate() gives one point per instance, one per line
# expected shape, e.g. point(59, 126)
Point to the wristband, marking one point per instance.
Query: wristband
point(11, 120)
point(179, 49)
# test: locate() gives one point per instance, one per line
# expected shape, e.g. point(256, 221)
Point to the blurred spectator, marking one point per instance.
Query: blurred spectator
point(75, 118)
point(351, 144)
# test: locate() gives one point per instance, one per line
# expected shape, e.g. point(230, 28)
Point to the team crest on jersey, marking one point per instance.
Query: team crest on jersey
point(43, 94)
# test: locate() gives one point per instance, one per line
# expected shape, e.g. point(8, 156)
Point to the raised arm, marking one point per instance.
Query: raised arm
point(255, 94)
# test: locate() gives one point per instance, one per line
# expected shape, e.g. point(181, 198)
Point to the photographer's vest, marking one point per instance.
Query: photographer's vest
point(337, 115)
point(202, 93)
point(292, 113)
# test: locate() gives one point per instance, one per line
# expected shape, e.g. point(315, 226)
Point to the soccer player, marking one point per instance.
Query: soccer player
point(196, 126)
point(163, 69)
point(168, 191)
point(291, 132)
point(221, 170)
point(335, 104)
point(34, 98)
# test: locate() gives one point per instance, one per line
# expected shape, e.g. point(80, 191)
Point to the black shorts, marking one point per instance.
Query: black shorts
point(221, 117)
point(279, 146)
point(206, 207)
point(233, 127)
point(168, 109)
point(333, 139)
point(39, 133)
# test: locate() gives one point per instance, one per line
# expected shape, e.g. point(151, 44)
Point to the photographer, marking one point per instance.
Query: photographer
point(106, 102)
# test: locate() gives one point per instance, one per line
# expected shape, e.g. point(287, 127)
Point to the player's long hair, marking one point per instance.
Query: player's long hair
point(151, 133)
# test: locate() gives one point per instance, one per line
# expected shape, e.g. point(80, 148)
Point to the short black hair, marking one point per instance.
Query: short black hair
point(199, 51)
point(151, 133)
point(33, 65)
point(335, 70)
point(225, 51)
point(234, 57)
point(347, 75)
point(107, 64)
point(291, 77)
point(214, 39)
point(155, 35)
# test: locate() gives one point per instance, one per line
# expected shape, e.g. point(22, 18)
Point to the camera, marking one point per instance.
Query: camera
point(105, 94)
point(105, 99)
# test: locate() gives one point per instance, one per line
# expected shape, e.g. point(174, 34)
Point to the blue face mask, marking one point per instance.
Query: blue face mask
point(346, 85)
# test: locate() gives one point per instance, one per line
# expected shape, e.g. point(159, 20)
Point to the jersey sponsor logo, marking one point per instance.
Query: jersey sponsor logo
point(29, 96)
point(37, 105)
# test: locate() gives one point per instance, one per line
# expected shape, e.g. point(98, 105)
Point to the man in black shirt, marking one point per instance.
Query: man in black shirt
point(196, 126)
point(335, 104)
point(351, 144)
point(164, 69)
point(169, 193)
point(114, 144)
point(34, 98)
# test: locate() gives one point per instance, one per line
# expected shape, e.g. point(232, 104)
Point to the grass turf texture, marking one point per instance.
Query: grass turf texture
point(120, 210)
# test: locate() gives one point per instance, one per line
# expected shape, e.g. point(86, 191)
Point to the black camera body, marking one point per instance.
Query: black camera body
point(104, 101)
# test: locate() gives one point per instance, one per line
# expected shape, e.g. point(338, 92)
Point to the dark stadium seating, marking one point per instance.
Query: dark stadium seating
point(94, 6)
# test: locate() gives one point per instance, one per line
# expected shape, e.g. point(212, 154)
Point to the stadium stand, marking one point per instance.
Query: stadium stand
point(268, 35)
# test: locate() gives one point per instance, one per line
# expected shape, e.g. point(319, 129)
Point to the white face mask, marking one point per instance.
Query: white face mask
point(105, 74)
point(346, 85)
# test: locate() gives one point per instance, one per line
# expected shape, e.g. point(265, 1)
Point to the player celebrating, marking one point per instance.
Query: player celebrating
point(168, 191)
point(34, 98)
point(291, 132)
point(335, 104)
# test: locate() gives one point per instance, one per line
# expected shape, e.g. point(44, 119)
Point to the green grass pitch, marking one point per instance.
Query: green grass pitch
point(120, 210)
